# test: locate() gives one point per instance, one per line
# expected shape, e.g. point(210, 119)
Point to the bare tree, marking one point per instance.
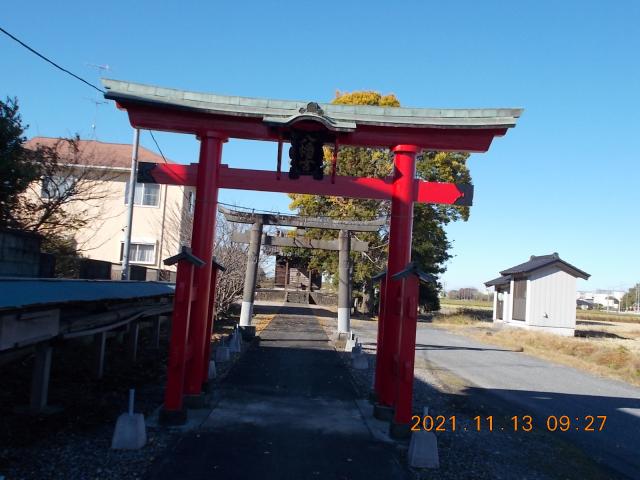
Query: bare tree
point(233, 256)
point(72, 188)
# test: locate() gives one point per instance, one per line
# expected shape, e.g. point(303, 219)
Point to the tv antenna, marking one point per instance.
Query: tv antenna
point(97, 101)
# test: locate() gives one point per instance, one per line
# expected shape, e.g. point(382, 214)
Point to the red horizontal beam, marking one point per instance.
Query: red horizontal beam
point(266, 181)
point(252, 128)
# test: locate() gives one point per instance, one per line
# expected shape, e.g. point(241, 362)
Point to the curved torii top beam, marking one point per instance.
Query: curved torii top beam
point(302, 222)
point(158, 108)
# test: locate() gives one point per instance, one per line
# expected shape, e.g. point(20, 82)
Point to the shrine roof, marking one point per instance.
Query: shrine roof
point(337, 117)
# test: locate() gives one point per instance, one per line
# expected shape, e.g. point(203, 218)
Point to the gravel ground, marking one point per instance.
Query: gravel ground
point(497, 454)
point(74, 443)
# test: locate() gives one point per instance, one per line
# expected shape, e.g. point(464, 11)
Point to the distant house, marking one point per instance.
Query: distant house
point(539, 294)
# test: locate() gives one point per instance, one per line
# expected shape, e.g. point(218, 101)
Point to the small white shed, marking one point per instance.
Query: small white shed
point(539, 294)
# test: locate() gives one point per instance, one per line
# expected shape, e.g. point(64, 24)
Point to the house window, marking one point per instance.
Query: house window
point(55, 187)
point(147, 194)
point(140, 253)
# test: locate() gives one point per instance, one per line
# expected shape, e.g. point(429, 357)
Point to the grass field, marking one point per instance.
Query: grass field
point(610, 349)
point(599, 315)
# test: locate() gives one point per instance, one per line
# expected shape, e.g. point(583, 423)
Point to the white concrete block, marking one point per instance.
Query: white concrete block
point(213, 372)
point(349, 345)
point(235, 343)
point(359, 361)
point(423, 450)
point(222, 354)
point(130, 432)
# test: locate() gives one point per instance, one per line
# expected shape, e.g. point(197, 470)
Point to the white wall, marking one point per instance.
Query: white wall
point(551, 293)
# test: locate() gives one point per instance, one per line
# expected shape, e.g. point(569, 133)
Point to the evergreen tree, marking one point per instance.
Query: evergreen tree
point(430, 246)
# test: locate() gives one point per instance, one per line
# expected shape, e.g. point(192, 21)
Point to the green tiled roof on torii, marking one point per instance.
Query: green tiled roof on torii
point(342, 117)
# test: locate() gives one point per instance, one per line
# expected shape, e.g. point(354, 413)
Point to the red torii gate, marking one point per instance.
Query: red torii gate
point(308, 126)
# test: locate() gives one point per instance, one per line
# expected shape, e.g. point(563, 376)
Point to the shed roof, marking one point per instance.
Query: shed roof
point(31, 292)
point(96, 153)
point(541, 261)
point(498, 281)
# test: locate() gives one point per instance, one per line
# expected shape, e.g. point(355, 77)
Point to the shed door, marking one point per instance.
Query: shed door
point(519, 299)
point(500, 306)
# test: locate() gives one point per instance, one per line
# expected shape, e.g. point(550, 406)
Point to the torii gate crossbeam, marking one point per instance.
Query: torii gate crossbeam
point(216, 118)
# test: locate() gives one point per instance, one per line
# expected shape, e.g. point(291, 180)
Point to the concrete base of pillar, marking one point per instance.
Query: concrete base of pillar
point(196, 401)
point(246, 313)
point(399, 431)
point(423, 450)
point(383, 412)
point(344, 319)
point(172, 418)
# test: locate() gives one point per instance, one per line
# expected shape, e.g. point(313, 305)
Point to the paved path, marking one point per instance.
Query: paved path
point(539, 388)
point(287, 411)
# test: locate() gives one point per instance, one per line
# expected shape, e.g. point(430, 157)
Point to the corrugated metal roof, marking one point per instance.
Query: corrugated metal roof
point(30, 292)
point(271, 110)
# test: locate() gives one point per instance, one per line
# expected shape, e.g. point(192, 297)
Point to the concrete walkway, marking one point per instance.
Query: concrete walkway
point(535, 387)
point(287, 410)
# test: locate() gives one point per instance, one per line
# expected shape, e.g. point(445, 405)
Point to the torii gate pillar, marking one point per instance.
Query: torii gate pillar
point(202, 242)
point(251, 275)
point(400, 230)
point(344, 279)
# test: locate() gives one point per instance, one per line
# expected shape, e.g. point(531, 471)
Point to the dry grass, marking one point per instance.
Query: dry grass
point(262, 321)
point(607, 316)
point(611, 351)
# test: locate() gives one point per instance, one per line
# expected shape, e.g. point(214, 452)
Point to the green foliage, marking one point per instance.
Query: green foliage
point(430, 244)
point(17, 171)
point(630, 298)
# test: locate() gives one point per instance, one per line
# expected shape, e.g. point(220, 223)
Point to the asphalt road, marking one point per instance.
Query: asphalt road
point(287, 411)
point(540, 389)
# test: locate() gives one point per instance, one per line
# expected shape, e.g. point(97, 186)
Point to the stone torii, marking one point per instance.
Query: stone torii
point(344, 245)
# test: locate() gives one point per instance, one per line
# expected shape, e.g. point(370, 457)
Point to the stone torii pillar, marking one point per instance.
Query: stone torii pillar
point(251, 275)
point(344, 282)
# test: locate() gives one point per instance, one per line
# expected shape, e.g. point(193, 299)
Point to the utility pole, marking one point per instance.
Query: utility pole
point(130, 200)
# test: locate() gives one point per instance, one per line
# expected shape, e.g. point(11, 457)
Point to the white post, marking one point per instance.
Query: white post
point(130, 200)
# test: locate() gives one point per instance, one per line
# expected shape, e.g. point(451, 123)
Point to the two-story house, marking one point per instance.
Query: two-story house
point(161, 212)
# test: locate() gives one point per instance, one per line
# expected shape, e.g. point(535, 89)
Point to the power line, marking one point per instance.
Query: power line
point(158, 146)
point(50, 61)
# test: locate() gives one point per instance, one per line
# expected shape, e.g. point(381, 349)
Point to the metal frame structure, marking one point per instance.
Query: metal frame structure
point(405, 131)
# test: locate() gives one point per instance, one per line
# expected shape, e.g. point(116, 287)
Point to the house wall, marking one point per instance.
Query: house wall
point(101, 238)
point(552, 294)
point(495, 303)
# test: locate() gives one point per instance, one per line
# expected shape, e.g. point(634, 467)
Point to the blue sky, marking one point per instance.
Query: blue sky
point(565, 179)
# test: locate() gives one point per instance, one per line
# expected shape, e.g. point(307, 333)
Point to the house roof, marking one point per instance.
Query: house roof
point(536, 263)
point(96, 153)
